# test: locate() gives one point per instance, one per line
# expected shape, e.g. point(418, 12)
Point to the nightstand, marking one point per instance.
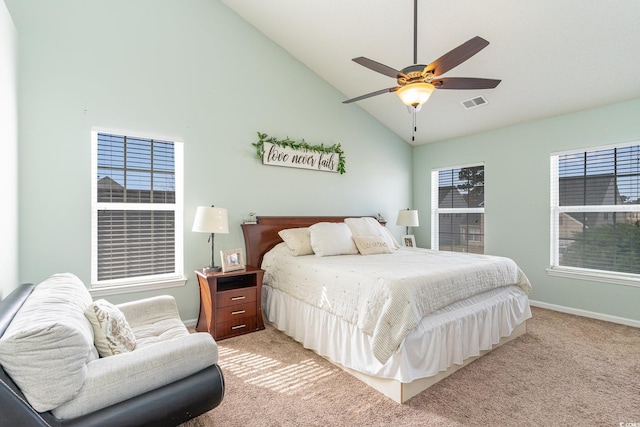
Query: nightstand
point(230, 303)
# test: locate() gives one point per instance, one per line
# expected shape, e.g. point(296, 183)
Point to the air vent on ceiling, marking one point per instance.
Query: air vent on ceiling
point(474, 102)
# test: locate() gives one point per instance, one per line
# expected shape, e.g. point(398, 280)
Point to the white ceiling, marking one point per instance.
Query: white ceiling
point(553, 56)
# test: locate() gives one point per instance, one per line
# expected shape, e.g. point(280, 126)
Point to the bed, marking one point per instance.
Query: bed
point(399, 319)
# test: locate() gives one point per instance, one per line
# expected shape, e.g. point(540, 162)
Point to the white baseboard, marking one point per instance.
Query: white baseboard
point(585, 313)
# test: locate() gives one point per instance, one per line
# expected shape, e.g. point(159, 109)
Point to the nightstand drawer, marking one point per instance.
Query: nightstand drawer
point(234, 312)
point(235, 327)
point(236, 296)
point(230, 302)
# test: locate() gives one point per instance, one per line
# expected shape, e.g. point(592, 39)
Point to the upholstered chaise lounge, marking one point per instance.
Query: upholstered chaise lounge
point(52, 373)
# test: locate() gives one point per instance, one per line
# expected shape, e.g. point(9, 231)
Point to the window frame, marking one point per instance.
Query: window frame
point(580, 273)
point(436, 210)
point(149, 282)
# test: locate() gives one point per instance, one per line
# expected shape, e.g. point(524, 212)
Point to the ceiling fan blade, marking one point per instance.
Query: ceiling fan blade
point(464, 83)
point(369, 95)
point(376, 66)
point(457, 56)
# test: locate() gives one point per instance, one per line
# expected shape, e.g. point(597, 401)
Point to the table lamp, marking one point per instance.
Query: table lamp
point(408, 218)
point(211, 220)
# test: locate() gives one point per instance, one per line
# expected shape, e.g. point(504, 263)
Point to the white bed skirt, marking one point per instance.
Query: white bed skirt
point(442, 339)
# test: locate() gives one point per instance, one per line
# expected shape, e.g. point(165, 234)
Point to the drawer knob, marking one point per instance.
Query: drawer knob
point(237, 298)
point(238, 327)
point(238, 312)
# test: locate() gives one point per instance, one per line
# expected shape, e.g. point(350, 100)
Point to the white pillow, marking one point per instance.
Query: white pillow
point(112, 333)
point(394, 242)
point(370, 245)
point(367, 226)
point(298, 240)
point(332, 238)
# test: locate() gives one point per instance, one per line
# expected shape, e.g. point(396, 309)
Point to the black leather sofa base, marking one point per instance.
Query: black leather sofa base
point(169, 405)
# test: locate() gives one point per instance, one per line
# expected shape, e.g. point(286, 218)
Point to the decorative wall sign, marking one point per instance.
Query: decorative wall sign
point(288, 153)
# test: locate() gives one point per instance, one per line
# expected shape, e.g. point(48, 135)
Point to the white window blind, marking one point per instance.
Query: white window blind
point(595, 209)
point(136, 209)
point(457, 209)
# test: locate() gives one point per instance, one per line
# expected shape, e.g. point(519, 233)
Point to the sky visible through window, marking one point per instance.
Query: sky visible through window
point(622, 162)
point(136, 163)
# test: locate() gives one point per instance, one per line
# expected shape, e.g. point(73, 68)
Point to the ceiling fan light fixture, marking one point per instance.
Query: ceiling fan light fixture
point(415, 94)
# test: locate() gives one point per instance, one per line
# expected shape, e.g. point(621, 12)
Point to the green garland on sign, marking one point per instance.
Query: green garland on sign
point(288, 143)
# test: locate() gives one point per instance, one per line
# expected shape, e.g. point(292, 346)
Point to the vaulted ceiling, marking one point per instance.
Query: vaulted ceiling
point(553, 57)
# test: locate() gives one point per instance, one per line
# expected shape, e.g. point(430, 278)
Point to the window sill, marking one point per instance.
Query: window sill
point(624, 279)
point(101, 291)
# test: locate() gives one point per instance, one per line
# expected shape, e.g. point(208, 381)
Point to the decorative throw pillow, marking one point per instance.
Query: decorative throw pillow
point(298, 240)
point(370, 245)
point(332, 238)
point(367, 226)
point(112, 333)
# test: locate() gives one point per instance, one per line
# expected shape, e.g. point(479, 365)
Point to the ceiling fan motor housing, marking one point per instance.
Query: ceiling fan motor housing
point(413, 74)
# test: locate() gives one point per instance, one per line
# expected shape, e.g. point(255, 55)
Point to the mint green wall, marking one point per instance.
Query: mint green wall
point(517, 196)
point(9, 147)
point(195, 71)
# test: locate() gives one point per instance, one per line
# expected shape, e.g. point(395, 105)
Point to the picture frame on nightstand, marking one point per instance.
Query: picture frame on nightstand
point(409, 241)
point(232, 260)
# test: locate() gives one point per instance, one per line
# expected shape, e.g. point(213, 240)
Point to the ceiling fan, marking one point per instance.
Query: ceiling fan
point(416, 82)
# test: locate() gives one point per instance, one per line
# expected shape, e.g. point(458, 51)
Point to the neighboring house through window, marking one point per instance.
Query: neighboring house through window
point(595, 213)
point(457, 209)
point(136, 212)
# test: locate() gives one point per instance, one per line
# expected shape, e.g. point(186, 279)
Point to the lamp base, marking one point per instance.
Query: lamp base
point(210, 269)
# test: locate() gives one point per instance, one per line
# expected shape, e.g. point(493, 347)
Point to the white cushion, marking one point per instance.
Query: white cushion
point(114, 379)
point(370, 245)
point(298, 240)
point(48, 344)
point(332, 238)
point(367, 226)
point(155, 319)
point(112, 333)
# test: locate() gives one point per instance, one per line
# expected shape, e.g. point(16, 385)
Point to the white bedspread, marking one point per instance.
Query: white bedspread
point(386, 295)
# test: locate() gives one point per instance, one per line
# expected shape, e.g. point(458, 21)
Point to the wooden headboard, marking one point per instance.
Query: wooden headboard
point(261, 237)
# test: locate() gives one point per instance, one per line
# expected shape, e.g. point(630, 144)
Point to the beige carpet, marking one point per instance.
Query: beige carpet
point(566, 371)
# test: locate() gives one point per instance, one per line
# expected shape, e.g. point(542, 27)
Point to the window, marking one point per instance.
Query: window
point(595, 203)
point(457, 209)
point(136, 211)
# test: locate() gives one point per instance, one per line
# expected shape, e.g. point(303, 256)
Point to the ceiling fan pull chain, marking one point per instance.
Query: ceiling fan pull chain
point(415, 128)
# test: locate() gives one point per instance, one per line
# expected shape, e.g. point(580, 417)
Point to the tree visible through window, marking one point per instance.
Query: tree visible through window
point(595, 209)
point(457, 206)
point(136, 209)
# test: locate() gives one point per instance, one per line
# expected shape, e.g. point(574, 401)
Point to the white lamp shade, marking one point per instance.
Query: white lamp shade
point(408, 218)
point(210, 219)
